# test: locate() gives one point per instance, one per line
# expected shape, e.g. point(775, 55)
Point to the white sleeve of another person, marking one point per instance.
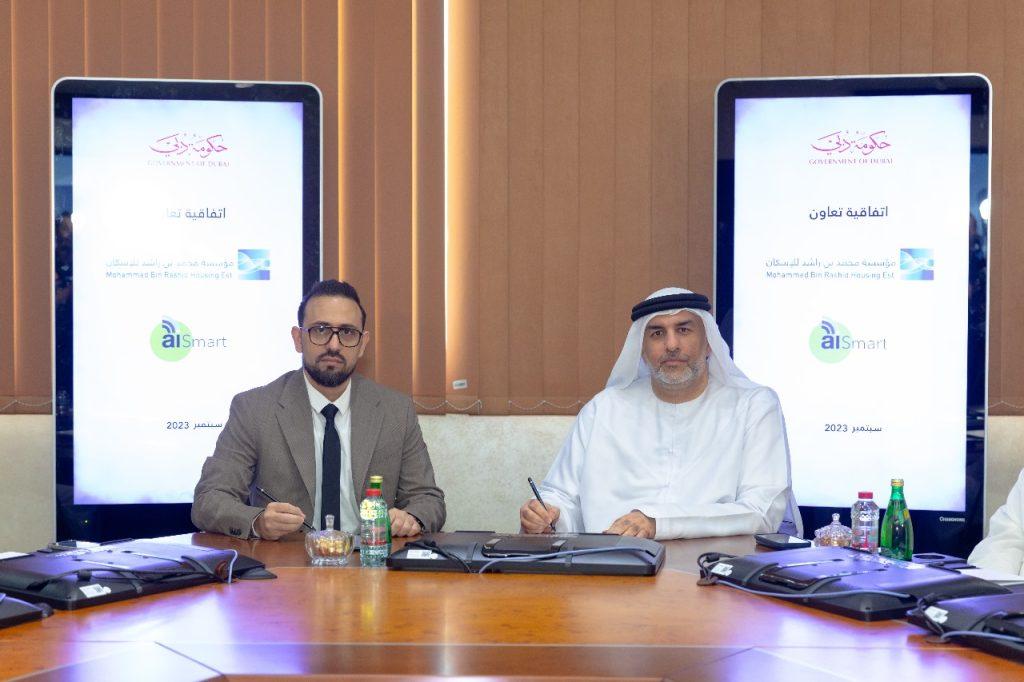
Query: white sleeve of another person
point(1003, 547)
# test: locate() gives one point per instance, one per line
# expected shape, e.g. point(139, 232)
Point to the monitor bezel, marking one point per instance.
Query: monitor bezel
point(939, 531)
point(105, 522)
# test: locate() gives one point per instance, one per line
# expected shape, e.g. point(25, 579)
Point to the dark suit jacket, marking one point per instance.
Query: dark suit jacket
point(268, 442)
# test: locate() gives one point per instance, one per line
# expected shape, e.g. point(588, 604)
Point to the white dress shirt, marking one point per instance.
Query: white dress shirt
point(349, 517)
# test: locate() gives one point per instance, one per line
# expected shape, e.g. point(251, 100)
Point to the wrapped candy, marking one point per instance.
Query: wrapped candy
point(834, 534)
point(329, 547)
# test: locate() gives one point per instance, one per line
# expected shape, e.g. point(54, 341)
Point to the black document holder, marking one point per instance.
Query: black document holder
point(14, 611)
point(832, 570)
point(1000, 614)
point(477, 549)
point(123, 570)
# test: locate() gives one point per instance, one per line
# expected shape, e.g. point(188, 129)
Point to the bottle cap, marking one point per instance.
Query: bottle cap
point(376, 479)
point(865, 495)
point(898, 482)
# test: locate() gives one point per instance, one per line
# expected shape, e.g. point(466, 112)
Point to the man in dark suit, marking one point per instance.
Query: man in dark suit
point(312, 437)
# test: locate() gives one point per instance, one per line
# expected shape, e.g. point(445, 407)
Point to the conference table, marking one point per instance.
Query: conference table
point(354, 623)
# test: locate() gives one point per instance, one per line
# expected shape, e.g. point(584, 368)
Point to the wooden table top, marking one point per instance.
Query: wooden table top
point(353, 623)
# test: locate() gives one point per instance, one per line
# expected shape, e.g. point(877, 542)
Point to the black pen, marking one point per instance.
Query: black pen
point(273, 499)
point(536, 494)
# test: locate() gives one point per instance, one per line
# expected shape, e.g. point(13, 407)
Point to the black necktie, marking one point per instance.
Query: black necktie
point(330, 483)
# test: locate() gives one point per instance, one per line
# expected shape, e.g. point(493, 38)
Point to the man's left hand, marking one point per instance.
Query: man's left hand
point(403, 524)
point(634, 523)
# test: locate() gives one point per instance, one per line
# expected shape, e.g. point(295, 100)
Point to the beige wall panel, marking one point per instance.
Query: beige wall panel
point(633, 244)
point(320, 66)
point(67, 56)
point(526, 191)
point(176, 39)
point(30, 98)
point(884, 29)
point(139, 53)
point(27, 485)
point(284, 40)
point(103, 36)
point(816, 24)
point(7, 330)
point(393, 209)
point(706, 71)
point(321, 57)
point(603, 326)
point(798, 36)
point(916, 35)
point(356, 160)
point(468, 68)
point(743, 38)
point(247, 39)
point(852, 48)
point(669, 146)
point(949, 43)
point(428, 205)
point(212, 57)
point(560, 242)
point(482, 464)
point(488, 268)
point(1004, 459)
point(1008, 278)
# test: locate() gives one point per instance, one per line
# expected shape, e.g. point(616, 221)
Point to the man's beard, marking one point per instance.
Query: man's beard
point(690, 375)
point(331, 378)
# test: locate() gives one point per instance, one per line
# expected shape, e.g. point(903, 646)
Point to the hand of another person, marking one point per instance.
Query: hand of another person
point(533, 518)
point(279, 519)
point(634, 523)
point(403, 524)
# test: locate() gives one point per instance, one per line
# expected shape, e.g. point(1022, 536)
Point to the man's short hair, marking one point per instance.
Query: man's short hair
point(331, 287)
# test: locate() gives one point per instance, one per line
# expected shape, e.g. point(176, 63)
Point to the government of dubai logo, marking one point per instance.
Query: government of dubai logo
point(827, 341)
point(254, 264)
point(189, 144)
point(917, 264)
point(171, 340)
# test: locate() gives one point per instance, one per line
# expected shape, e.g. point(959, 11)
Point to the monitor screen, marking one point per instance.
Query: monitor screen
point(851, 257)
point(187, 226)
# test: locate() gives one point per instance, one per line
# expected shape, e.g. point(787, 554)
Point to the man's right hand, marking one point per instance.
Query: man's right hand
point(534, 519)
point(279, 519)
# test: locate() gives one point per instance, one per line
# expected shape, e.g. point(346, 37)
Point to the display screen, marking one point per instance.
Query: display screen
point(856, 243)
point(187, 217)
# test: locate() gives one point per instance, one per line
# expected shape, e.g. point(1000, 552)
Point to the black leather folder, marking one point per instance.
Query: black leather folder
point(845, 581)
point(87, 577)
point(994, 614)
point(576, 553)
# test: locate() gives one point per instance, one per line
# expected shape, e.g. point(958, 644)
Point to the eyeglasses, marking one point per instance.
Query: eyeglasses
point(321, 334)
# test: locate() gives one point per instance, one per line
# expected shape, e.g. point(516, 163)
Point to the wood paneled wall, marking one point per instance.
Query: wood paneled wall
point(579, 151)
point(380, 67)
point(587, 154)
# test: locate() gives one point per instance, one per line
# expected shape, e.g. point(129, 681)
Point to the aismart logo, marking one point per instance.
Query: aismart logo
point(172, 340)
point(832, 342)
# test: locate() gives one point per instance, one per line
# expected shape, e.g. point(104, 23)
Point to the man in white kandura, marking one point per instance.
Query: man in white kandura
point(679, 444)
point(1003, 548)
